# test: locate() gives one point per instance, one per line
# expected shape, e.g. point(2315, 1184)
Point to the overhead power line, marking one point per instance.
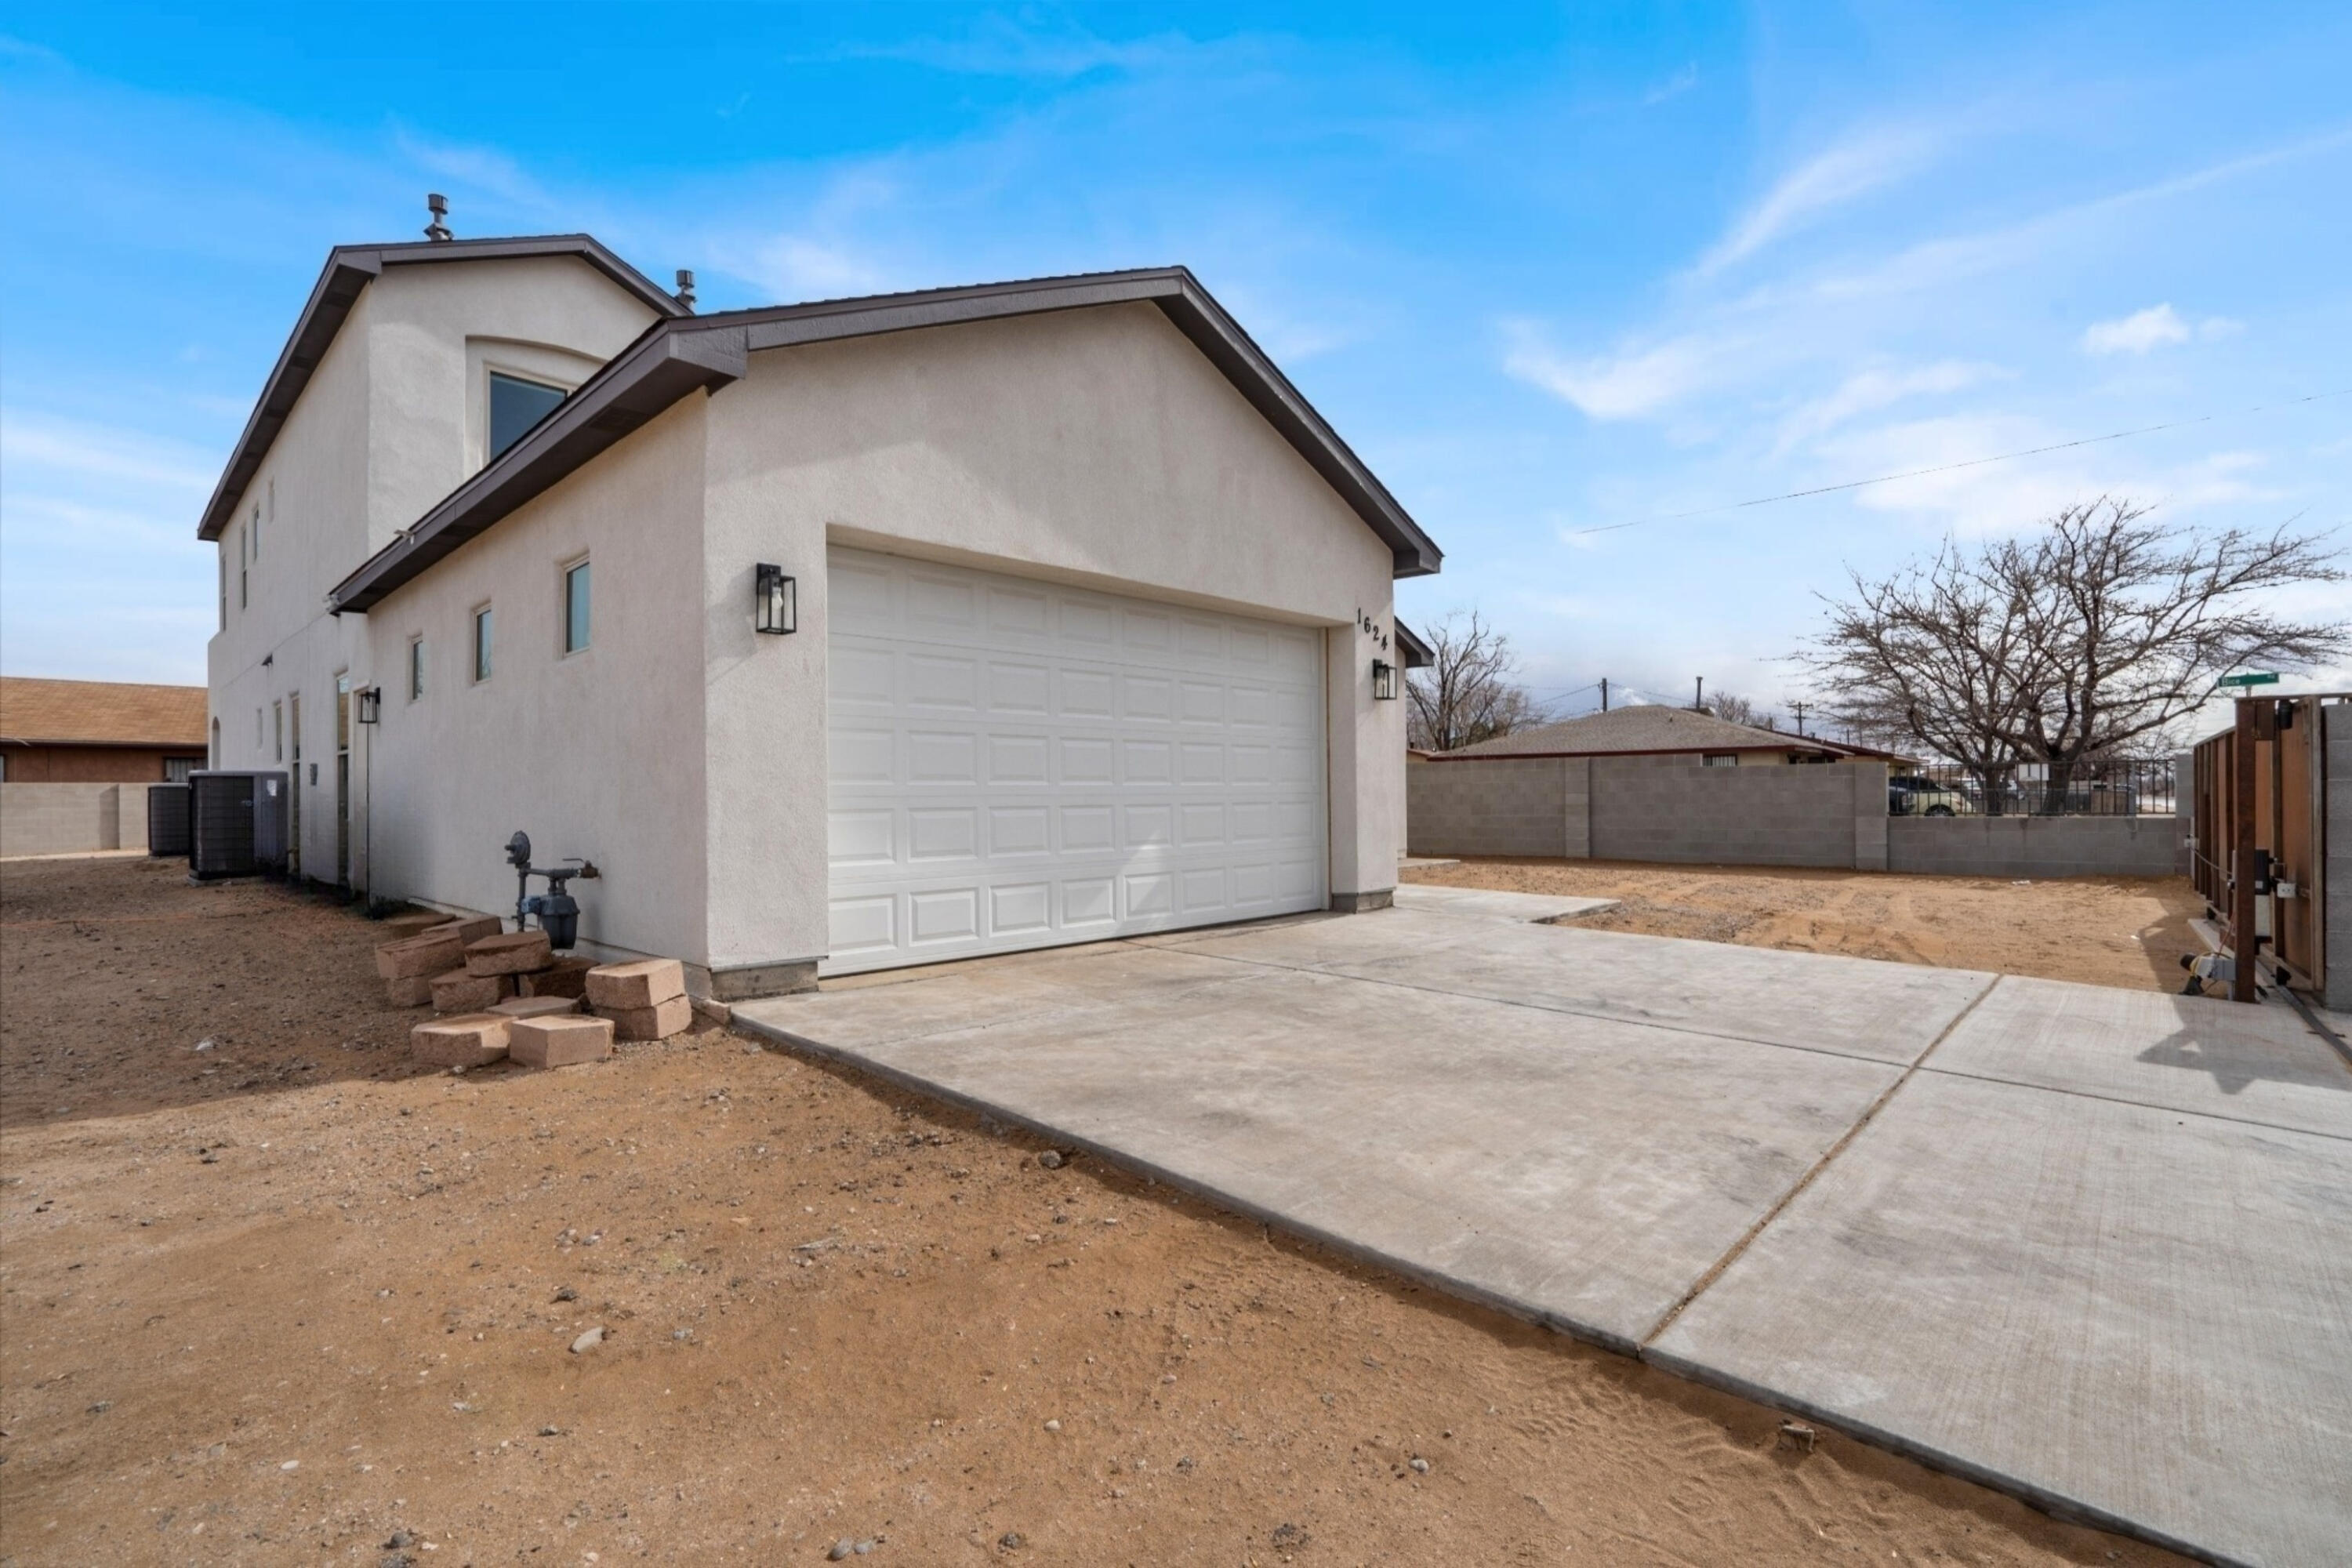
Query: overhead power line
point(1969, 463)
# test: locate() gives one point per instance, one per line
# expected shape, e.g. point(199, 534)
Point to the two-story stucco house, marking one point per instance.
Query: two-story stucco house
point(1089, 612)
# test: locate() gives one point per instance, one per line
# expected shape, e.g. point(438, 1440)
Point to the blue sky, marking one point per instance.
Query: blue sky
point(1549, 269)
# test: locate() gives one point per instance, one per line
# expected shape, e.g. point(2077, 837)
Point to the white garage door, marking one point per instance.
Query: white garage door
point(1016, 764)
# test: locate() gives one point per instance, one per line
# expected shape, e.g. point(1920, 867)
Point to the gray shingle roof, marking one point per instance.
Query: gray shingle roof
point(1650, 727)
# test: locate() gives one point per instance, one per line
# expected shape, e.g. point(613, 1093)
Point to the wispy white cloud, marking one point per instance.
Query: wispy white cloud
point(1635, 381)
point(2159, 326)
point(1869, 161)
point(1674, 87)
point(34, 444)
point(998, 46)
point(485, 168)
point(1868, 391)
point(2137, 332)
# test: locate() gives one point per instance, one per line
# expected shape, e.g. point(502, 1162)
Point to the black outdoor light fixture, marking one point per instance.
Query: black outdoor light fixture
point(371, 703)
point(1384, 681)
point(775, 600)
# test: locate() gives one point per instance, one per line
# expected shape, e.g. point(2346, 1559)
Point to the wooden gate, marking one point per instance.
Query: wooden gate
point(2259, 795)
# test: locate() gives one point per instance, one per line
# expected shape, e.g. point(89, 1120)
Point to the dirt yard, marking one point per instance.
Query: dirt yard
point(269, 1295)
point(2102, 931)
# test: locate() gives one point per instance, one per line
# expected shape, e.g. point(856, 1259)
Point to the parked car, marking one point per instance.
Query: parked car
point(1908, 795)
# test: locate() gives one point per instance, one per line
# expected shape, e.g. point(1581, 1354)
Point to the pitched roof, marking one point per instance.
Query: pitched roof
point(1650, 727)
point(349, 269)
point(99, 713)
point(675, 357)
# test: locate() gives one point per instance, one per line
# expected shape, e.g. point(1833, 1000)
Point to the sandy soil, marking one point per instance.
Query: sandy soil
point(2102, 931)
point(288, 1300)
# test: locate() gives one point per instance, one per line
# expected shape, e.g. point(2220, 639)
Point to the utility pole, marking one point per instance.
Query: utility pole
point(1800, 716)
point(1698, 702)
point(1604, 694)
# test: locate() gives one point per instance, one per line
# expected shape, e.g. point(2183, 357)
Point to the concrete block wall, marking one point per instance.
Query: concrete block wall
point(2336, 888)
point(1506, 807)
point(1673, 810)
point(2036, 846)
point(71, 818)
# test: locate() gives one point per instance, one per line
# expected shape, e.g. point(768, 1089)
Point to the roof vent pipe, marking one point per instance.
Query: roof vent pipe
point(437, 231)
point(685, 288)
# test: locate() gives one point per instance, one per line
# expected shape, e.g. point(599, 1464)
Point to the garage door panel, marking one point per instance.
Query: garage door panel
point(1088, 829)
point(1087, 694)
point(1015, 765)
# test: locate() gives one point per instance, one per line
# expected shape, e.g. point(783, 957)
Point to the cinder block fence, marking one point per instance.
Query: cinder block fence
point(71, 818)
point(1672, 810)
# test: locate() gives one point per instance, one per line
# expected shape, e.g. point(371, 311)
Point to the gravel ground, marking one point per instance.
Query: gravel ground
point(287, 1298)
point(2102, 931)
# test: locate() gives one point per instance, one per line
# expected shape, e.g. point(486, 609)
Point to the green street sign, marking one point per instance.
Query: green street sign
point(2253, 677)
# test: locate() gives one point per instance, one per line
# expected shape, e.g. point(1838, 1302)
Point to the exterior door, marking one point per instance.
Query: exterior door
point(1018, 765)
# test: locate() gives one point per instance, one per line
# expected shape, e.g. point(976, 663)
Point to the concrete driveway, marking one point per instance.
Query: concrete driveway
point(2091, 1247)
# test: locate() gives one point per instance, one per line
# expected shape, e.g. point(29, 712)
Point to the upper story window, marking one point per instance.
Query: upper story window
point(516, 406)
point(575, 608)
point(482, 626)
point(415, 669)
point(243, 544)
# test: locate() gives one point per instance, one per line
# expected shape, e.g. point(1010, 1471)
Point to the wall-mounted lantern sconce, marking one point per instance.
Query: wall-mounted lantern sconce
point(371, 703)
point(1384, 681)
point(775, 601)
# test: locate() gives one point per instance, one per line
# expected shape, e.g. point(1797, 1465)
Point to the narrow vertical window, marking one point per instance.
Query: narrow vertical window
point(482, 644)
point(278, 732)
point(224, 585)
point(256, 528)
point(575, 608)
point(415, 669)
point(243, 542)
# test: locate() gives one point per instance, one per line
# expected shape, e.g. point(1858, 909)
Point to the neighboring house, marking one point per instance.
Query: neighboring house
point(1658, 730)
point(1082, 602)
point(98, 731)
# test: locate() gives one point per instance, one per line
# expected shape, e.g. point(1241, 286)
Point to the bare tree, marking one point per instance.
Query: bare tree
point(1738, 710)
point(2088, 640)
point(1466, 694)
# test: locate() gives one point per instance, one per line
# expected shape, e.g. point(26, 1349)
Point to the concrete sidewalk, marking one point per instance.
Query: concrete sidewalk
point(2092, 1246)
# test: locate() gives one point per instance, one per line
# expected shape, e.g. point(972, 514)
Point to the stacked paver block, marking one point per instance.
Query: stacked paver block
point(465, 1040)
point(407, 966)
point(646, 999)
point(566, 977)
point(463, 991)
point(560, 1040)
point(510, 952)
point(399, 928)
point(535, 1006)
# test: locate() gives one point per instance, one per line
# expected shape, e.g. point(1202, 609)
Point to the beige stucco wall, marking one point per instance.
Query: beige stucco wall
point(1094, 447)
point(597, 754)
point(389, 424)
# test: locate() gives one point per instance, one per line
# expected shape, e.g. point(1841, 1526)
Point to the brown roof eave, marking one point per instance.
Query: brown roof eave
point(349, 269)
point(675, 357)
point(632, 388)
